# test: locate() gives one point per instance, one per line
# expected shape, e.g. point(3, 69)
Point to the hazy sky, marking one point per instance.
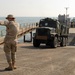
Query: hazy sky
point(37, 8)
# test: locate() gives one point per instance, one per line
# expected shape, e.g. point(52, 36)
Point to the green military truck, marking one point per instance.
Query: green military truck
point(50, 32)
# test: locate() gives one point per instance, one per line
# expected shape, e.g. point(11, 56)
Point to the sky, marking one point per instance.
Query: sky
point(37, 8)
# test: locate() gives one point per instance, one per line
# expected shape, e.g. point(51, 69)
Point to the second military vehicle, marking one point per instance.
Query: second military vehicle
point(50, 32)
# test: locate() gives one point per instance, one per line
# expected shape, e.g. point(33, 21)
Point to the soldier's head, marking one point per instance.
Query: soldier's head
point(10, 18)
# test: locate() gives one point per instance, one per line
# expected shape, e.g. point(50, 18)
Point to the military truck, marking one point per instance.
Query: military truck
point(50, 32)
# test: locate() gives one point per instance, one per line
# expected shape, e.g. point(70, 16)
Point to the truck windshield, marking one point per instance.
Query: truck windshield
point(46, 23)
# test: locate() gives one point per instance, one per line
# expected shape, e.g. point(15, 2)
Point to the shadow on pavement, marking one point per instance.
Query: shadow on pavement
point(40, 47)
point(2, 70)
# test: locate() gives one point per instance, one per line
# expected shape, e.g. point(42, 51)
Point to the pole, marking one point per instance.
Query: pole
point(67, 29)
point(24, 39)
point(66, 14)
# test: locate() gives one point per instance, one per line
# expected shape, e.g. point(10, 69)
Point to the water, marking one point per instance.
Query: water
point(21, 21)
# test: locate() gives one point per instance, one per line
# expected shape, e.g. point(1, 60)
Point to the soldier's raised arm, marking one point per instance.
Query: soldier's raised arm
point(3, 23)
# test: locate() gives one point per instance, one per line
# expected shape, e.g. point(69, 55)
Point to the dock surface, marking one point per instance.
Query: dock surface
point(40, 61)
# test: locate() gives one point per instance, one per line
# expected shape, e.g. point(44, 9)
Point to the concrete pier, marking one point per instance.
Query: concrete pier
point(40, 61)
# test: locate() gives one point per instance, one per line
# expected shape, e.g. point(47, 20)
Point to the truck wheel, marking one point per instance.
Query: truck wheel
point(54, 43)
point(63, 42)
point(36, 43)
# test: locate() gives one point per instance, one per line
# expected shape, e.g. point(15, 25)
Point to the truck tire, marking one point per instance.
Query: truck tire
point(36, 43)
point(54, 43)
point(63, 42)
point(66, 41)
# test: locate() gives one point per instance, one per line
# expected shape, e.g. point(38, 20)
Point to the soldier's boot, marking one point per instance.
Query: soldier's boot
point(13, 65)
point(13, 60)
point(8, 57)
point(9, 67)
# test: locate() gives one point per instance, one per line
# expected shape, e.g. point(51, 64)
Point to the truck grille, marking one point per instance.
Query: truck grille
point(42, 32)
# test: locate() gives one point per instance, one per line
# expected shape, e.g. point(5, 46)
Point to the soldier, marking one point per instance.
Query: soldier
point(10, 43)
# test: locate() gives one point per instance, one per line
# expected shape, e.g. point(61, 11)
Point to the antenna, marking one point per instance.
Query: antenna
point(66, 10)
point(66, 14)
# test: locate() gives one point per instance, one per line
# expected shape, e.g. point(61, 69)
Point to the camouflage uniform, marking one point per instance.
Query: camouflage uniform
point(10, 44)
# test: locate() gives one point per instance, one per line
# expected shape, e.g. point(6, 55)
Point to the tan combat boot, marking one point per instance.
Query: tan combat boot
point(9, 67)
point(13, 65)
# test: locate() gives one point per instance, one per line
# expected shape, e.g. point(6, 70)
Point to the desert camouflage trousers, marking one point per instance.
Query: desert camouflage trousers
point(10, 48)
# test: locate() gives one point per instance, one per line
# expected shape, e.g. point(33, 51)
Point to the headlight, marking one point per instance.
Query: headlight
point(52, 35)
